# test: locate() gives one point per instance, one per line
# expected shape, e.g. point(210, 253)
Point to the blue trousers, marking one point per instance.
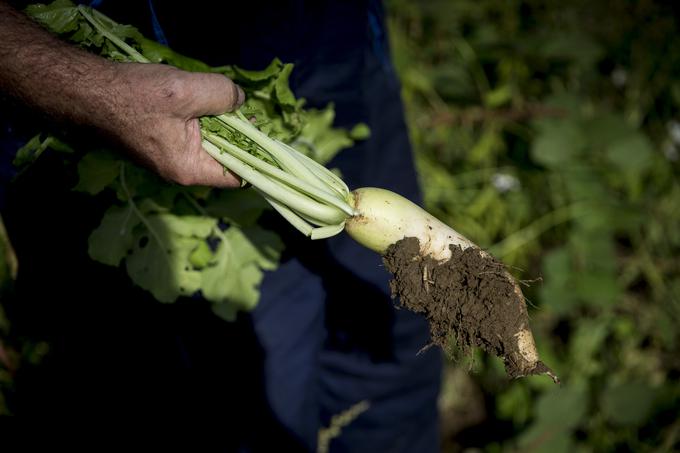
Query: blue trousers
point(333, 336)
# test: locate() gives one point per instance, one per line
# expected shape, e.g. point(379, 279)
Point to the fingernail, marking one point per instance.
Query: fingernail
point(241, 96)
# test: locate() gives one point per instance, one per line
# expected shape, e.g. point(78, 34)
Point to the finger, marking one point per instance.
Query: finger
point(213, 94)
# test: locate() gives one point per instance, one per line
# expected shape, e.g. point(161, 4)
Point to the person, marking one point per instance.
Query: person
point(325, 336)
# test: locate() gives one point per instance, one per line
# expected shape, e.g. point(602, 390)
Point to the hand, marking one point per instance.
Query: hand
point(155, 117)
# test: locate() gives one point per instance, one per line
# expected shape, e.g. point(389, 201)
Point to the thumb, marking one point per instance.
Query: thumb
point(213, 94)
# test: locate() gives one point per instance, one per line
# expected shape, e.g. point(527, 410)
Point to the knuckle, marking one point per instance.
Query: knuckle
point(228, 89)
point(174, 88)
point(233, 95)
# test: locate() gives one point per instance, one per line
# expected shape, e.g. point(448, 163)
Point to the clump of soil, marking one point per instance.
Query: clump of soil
point(471, 298)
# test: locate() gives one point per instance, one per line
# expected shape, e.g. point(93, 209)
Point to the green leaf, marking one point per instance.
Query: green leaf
point(240, 259)
point(159, 261)
point(603, 129)
point(514, 404)
point(263, 246)
point(360, 131)
point(627, 403)
point(586, 345)
point(546, 438)
point(239, 207)
point(33, 149)
point(111, 241)
point(632, 155)
point(563, 406)
point(158, 53)
point(28, 153)
point(282, 90)
point(226, 311)
point(558, 142)
point(558, 412)
point(96, 170)
point(244, 76)
point(139, 183)
point(574, 46)
point(201, 256)
point(9, 265)
point(499, 96)
point(321, 141)
point(598, 289)
point(60, 16)
point(555, 291)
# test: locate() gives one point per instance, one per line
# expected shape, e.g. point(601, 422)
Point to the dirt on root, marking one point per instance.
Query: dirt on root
point(470, 300)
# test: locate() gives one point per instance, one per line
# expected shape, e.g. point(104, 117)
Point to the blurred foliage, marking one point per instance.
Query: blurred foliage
point(549, 133)
point(15, 352)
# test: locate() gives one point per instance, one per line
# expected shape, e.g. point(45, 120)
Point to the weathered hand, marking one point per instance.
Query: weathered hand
point(156, 119)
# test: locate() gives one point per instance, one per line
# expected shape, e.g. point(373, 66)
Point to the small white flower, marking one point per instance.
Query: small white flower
point(504, 182)
point(619, 77)
point(670, 151)
point(673, 127)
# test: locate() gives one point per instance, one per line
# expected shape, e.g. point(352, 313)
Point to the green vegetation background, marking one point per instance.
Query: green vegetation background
point(548, 132)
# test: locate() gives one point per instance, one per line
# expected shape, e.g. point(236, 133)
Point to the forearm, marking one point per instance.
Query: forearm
point(52, 76)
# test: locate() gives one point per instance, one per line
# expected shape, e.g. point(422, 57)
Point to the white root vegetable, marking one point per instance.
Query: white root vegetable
point(385, 218)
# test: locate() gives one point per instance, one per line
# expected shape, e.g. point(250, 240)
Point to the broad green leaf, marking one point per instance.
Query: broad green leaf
point(244, 75)
point(360, 131)
point(564, 407)
point(604, 129)
point(159, 261)
point(220, 279)
point(97, 170)
point(263, 246)
point(240, 207)
point(225, 311)
point(318, 137)
point(514, 404)
point(238, 268)
point(60, 16)
point(627, 403)
point(546, 438)
point(555, 292)
point(28, 153)
point(137, 182)
point(558, 142)
point(586, 345)
point(201, 256)
point(34, 148)
point(577, 47)
point(9, 265)
point(282, 90)
point(632, 155)
point(499, 96)
point(189, 226)
point(111, 241)
point(598, 289)
point(158, 53)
